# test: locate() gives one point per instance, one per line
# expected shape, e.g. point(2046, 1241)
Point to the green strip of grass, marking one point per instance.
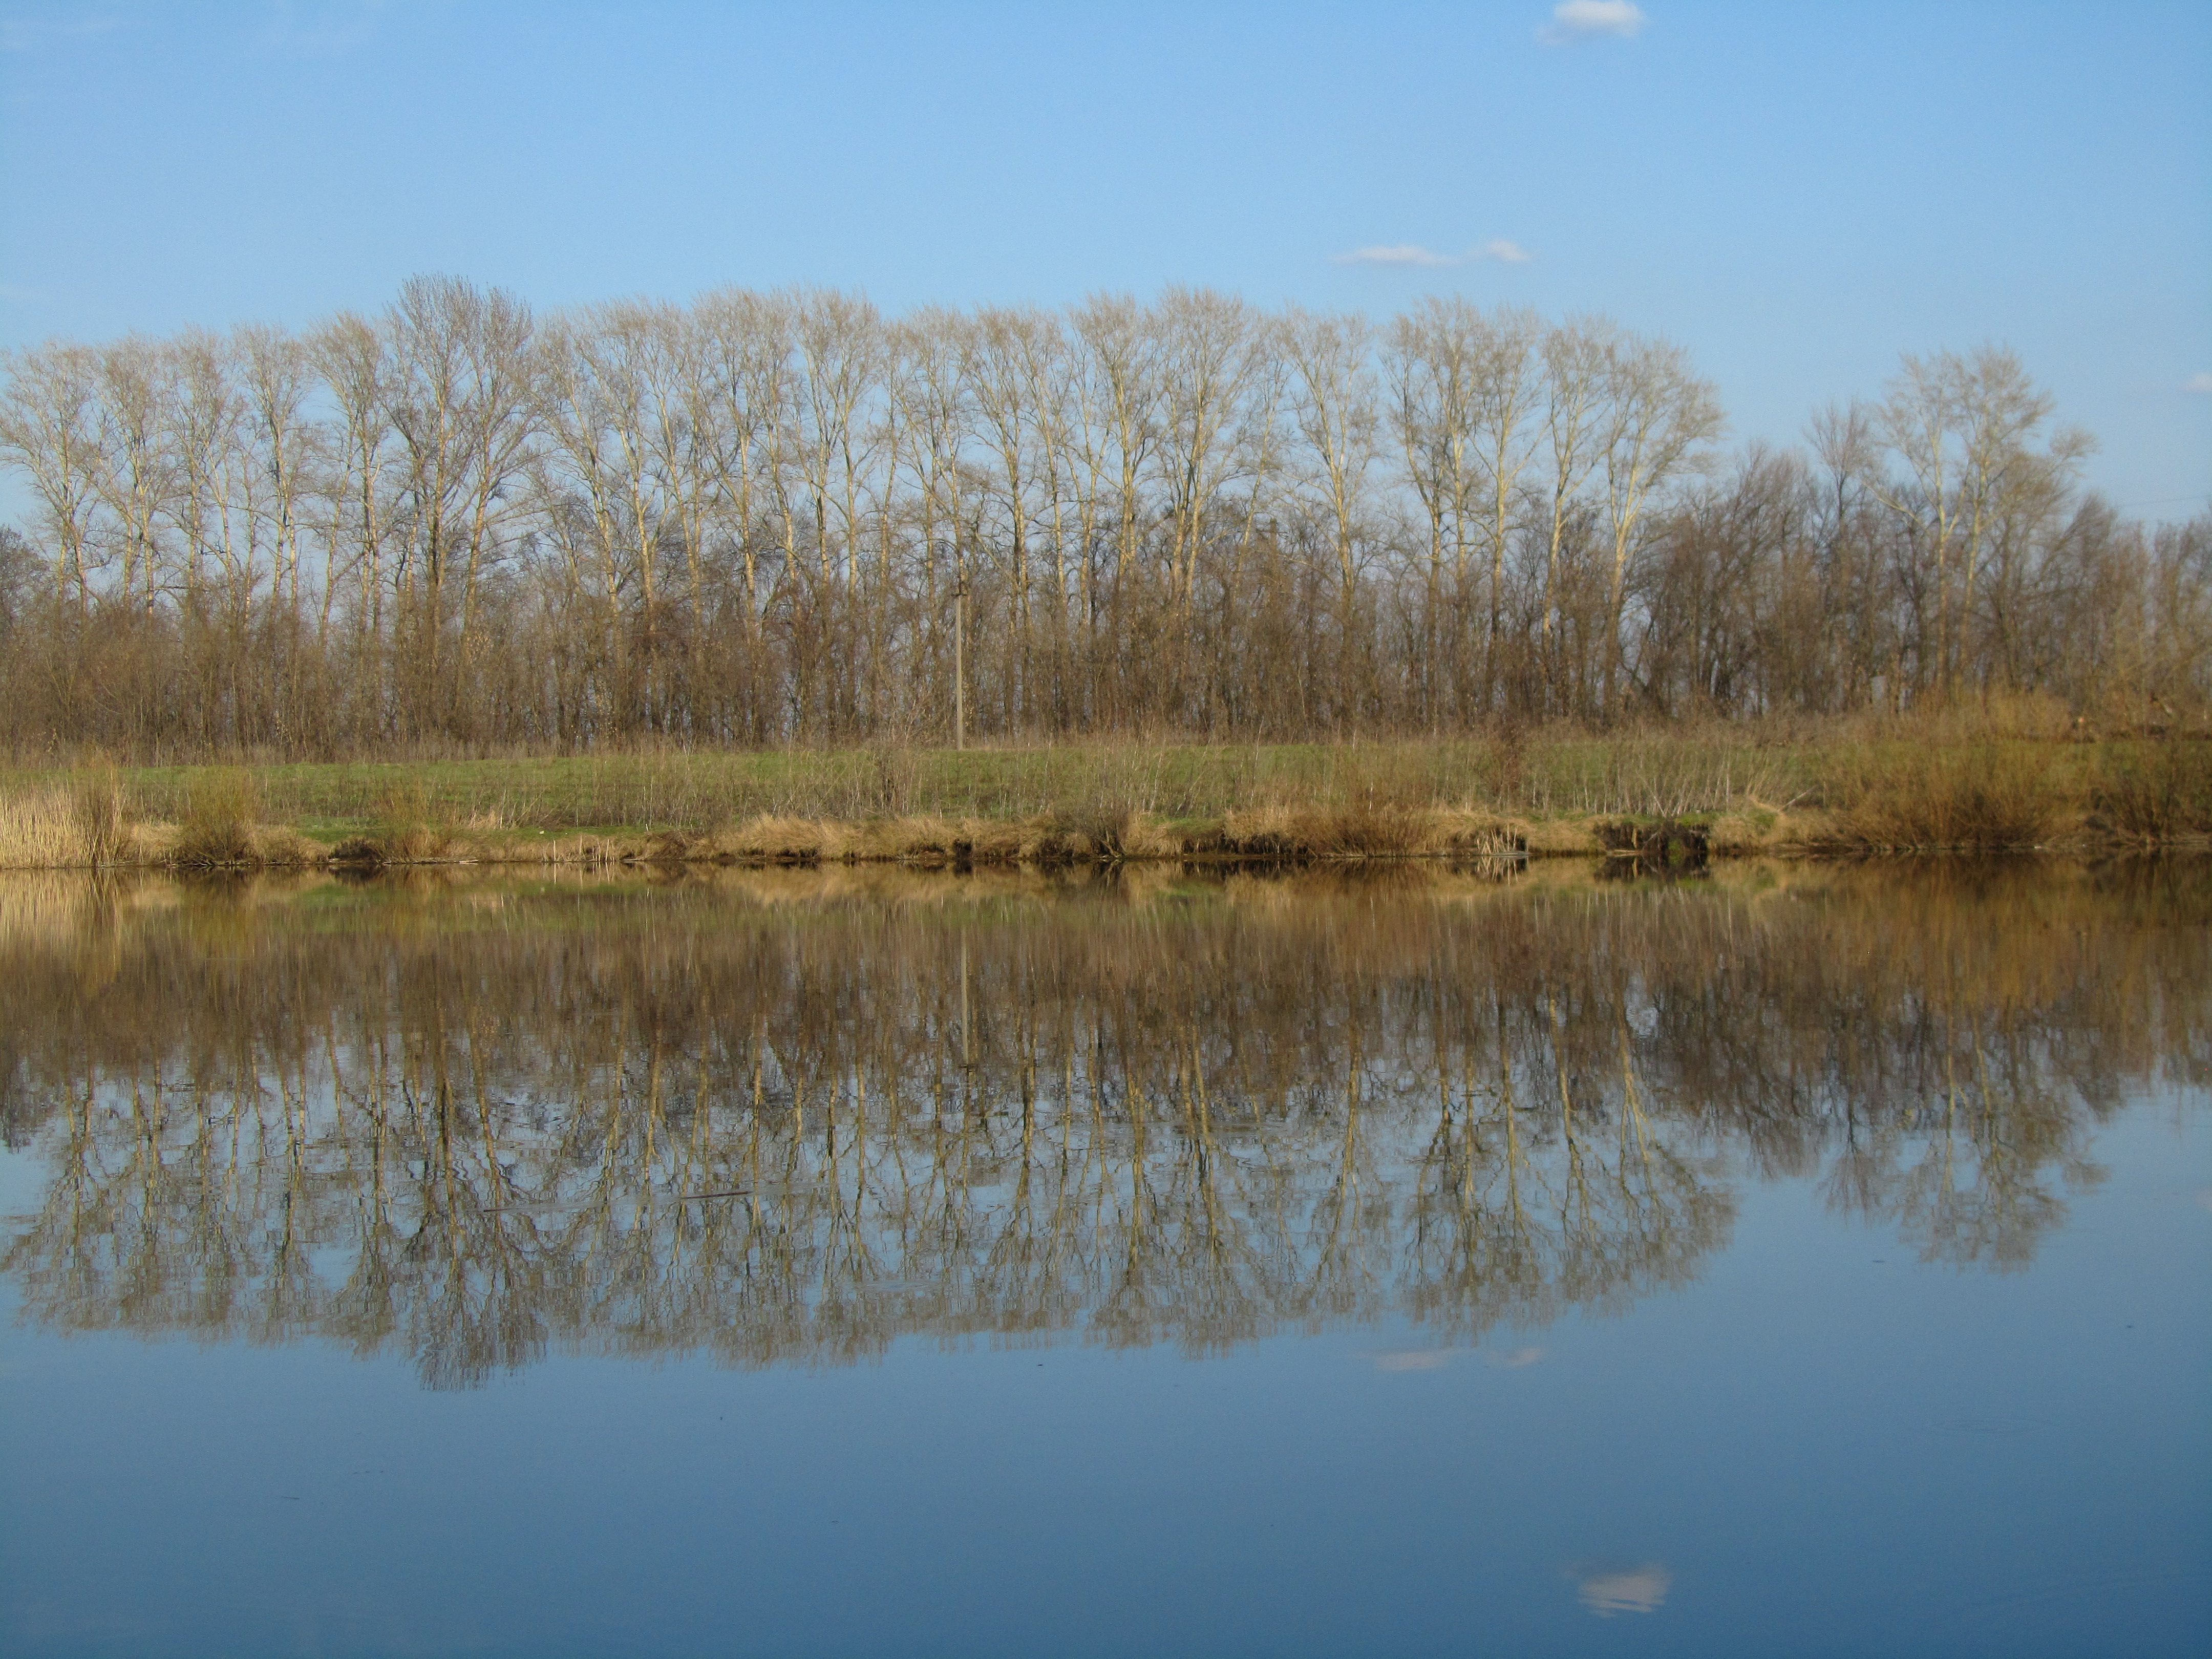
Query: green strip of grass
point(1898, 787)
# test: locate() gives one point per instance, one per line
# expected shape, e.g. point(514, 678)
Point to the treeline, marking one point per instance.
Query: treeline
point(777, 517)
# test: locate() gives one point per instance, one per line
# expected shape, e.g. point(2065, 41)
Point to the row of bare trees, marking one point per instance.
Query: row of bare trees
point(784, 517)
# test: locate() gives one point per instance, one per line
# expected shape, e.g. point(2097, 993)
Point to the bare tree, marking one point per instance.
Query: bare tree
point(1658, 413)
point(1334, 408)
point(776, 517)
point(49, 431)
point(1576, 358)
point(1006, 358)
point(1464, 391)
point(1963, 429)
point(136, 474)
point(463, 407)
point(354, 358)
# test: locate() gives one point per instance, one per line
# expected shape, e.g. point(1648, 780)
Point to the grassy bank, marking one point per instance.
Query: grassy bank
point(1680, 792)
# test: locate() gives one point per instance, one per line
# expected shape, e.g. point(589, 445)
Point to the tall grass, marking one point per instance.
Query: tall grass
point(410, 826)
point(96, 803)
point(1991, 796)
point(70, 822)
point(1995, 776)
point(223, 828)
point(220, 811)
point(40, 829)
point(2155, 791)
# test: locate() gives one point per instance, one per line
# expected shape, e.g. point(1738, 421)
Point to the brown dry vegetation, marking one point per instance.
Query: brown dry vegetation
point(40, 829)
point(2011, 777)
point(2155, 794)
point(1192, 518)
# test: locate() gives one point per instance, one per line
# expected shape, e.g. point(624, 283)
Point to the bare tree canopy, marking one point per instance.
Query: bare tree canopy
point(767, 517)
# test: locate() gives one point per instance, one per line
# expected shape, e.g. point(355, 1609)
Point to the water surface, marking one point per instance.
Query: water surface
point(1802, 1260)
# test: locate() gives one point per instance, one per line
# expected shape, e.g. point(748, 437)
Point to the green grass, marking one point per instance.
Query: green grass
point(1178, 783)
point(1876, 786)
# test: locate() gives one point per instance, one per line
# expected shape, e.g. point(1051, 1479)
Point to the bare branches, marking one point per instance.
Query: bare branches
point(746, 519)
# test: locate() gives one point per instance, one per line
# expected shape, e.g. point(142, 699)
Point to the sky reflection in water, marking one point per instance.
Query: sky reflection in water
point(1805, 1261)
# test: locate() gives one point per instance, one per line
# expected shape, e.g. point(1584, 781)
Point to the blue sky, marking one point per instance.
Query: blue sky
point(1796, 192)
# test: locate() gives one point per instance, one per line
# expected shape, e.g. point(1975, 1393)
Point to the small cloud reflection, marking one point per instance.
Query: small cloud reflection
point(1608, 1590)
point(1431, 1359)
point(2204, 1198)
point(1414, 1359)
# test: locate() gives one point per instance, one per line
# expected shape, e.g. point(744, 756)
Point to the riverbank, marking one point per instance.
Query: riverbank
point(1670, 796)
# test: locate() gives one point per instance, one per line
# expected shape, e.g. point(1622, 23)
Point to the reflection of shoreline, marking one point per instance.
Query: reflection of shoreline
point(59, 901)
point(461, 1122)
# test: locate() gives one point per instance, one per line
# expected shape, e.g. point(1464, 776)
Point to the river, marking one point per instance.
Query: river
point(1805, 1258)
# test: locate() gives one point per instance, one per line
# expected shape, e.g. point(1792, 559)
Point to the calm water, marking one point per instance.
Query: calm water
point(1797, 1262)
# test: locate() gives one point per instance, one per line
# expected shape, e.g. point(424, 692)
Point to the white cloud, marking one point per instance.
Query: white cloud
point(1412, 254)
point(1518, 1358)
point(1638, 1590)
point(1586, 20)
point(1403, 254)
point(2197, 383)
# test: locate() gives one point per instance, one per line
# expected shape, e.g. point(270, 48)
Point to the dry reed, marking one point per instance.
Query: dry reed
point(41, 829)
point(2155, 791)
point(1985, 796)
point(74, 823)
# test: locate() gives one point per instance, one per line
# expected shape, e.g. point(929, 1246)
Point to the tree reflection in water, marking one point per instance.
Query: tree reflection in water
point(792, 1117)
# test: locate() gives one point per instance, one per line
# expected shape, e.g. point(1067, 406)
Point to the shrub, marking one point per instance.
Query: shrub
point(1986, 795)
point(409, 829)
point(222, 807)
point(2153, 792)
